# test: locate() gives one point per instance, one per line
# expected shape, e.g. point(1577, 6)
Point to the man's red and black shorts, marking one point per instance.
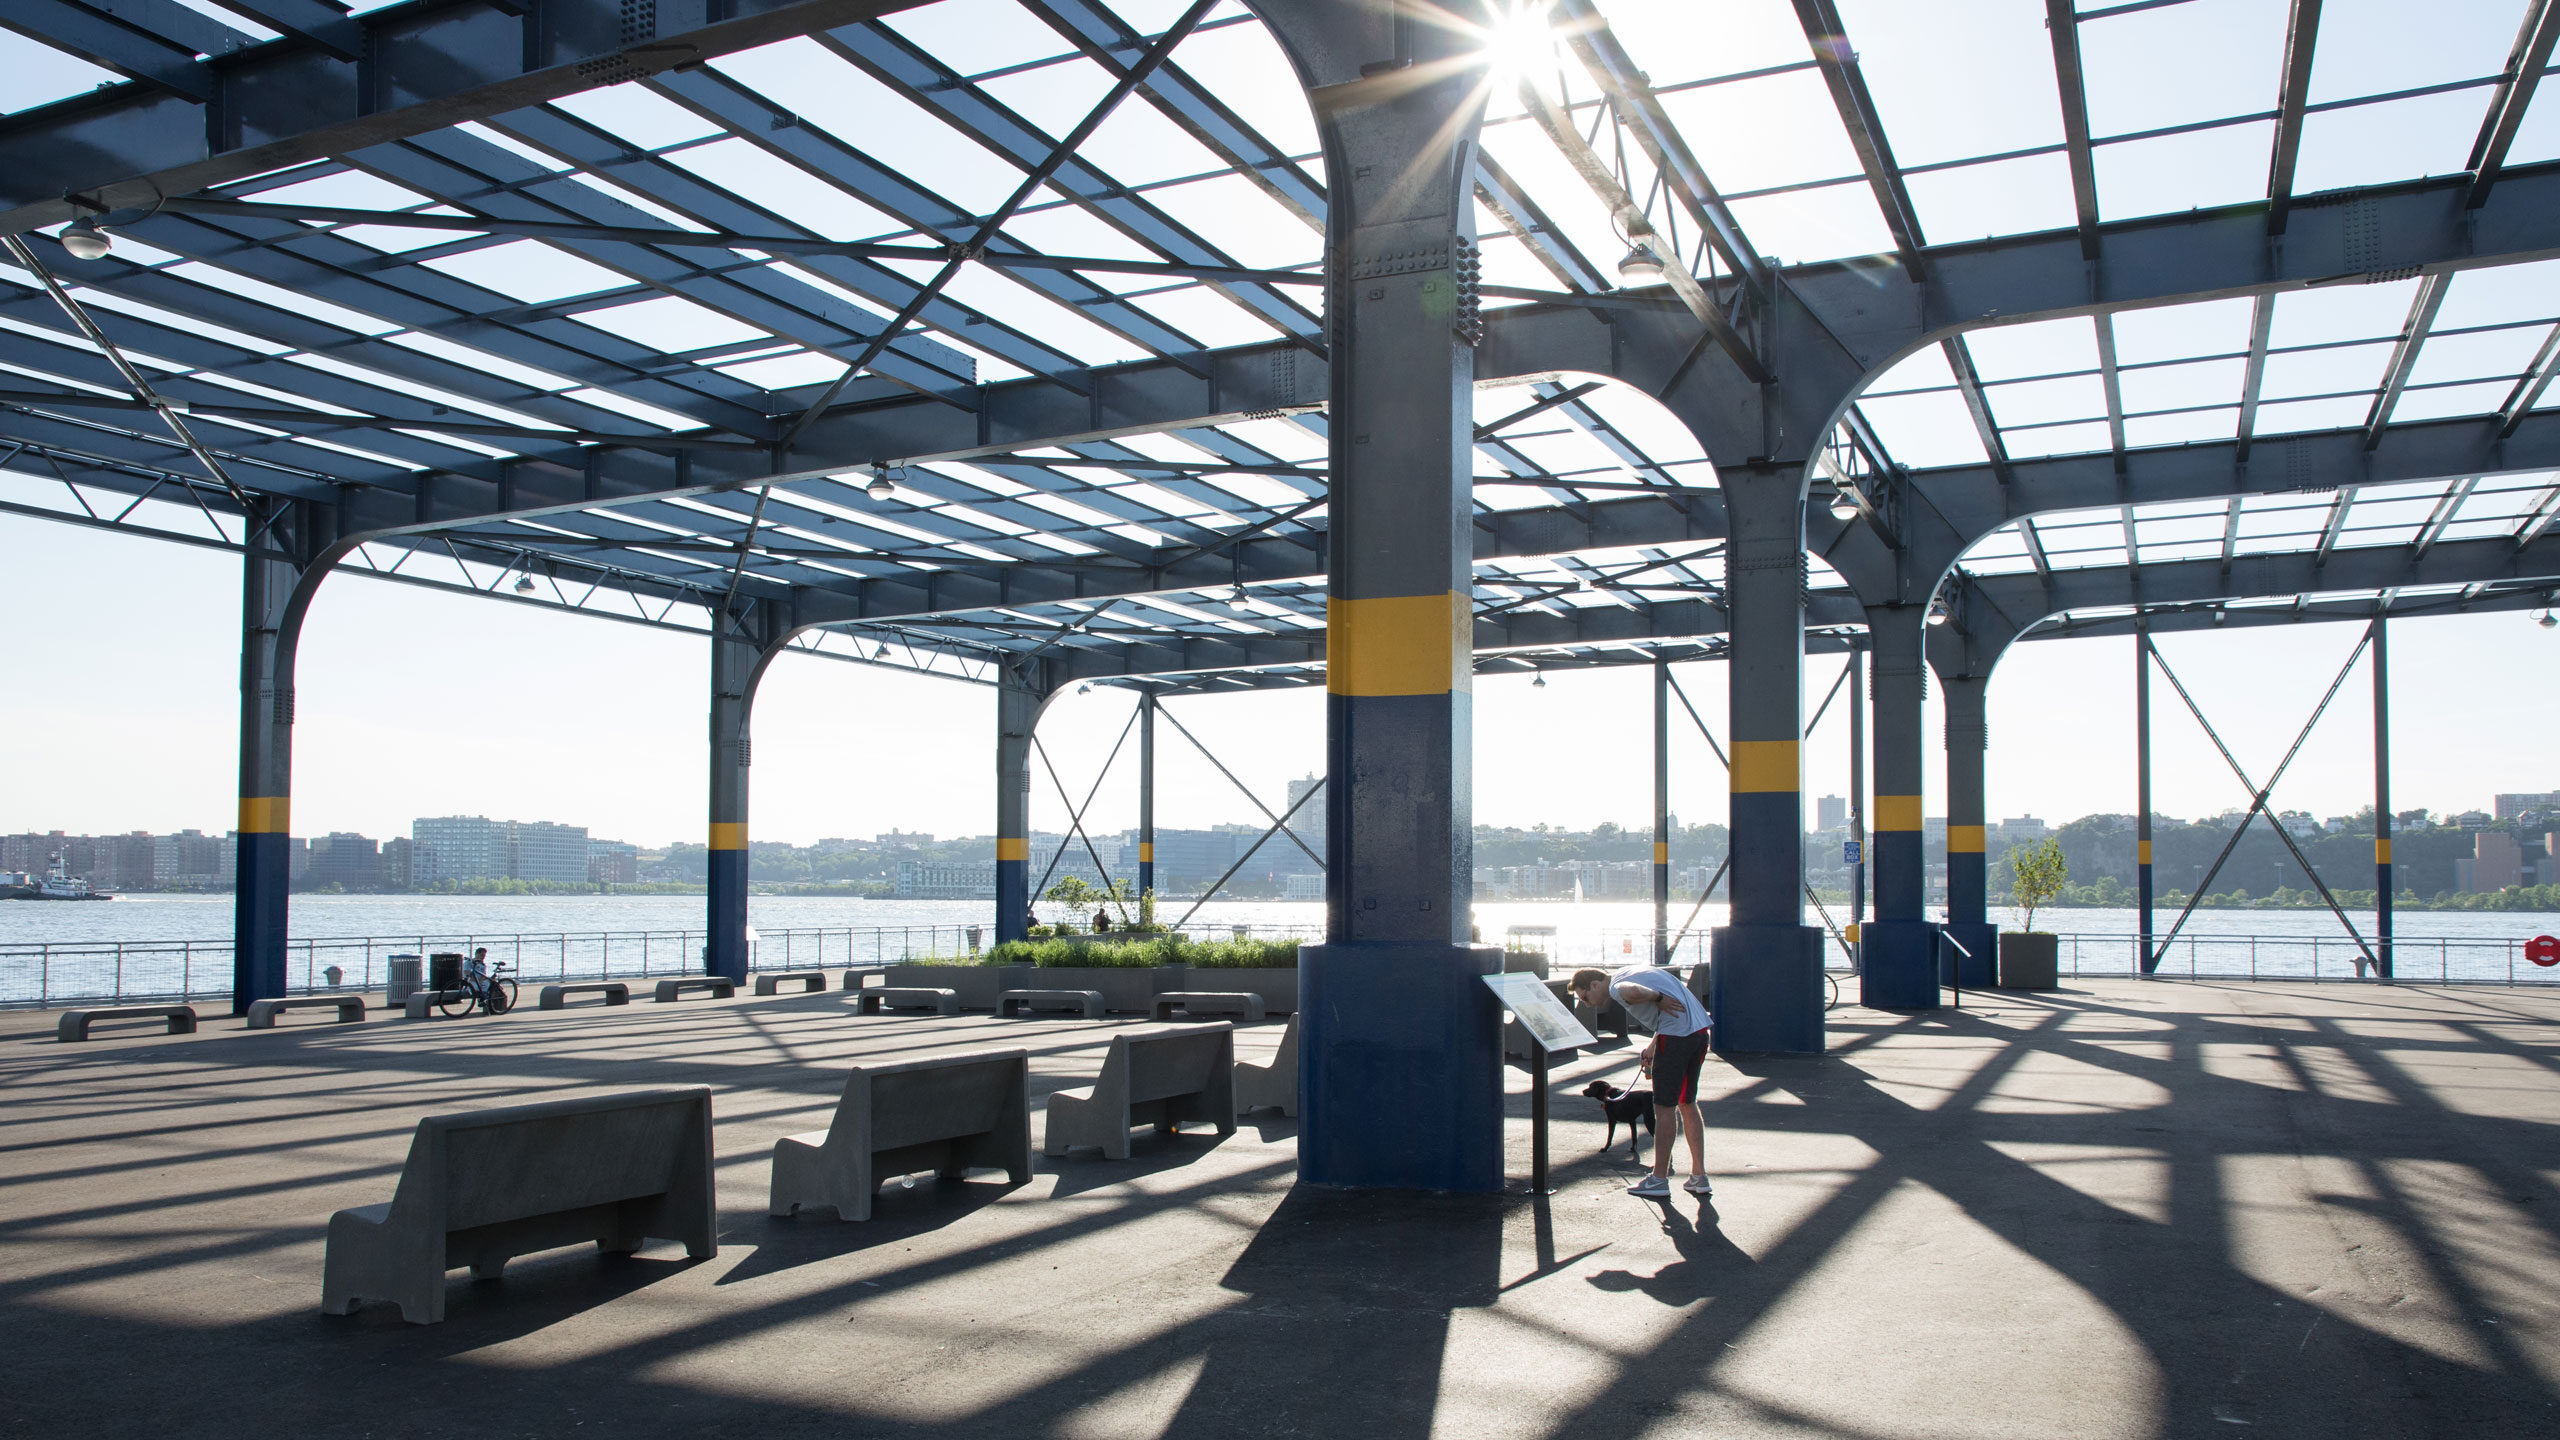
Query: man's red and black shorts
point(1676, 1062)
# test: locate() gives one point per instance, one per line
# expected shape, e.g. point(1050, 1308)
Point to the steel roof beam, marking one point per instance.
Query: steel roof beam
point(2062, 25)
point(2302, 36)
point(296, 99)
point(1631, 97)
point(1829, 38)
point(2514, 95)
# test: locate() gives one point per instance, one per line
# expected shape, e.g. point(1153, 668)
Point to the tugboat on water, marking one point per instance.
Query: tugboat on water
point(56, 884)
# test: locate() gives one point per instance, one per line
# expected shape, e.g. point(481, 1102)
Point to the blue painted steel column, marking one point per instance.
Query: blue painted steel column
point(734, 658)
point(1400, 1072)
point(1901, 971)
point(1661, 812)
point(285, 562)
point(1968, 867)
point(1019, 700)
point(2382, 795)
point(1767, 986)
point(2142, 799)
point(261, 867)
point(1146, 793)
point(1858, 797)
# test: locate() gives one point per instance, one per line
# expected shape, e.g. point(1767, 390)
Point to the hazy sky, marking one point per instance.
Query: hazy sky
point(120, 704)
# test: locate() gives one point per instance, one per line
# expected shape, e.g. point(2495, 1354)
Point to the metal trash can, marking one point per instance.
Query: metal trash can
point(404, 978)
point(444, 972)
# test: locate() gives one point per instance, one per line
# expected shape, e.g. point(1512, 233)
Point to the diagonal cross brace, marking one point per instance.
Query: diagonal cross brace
point(1278, 821)
point(2258, 805)
point(1075, 812)
point(1031, 183)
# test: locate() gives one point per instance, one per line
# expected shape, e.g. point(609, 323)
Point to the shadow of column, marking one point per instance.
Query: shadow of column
point(1346, 1319)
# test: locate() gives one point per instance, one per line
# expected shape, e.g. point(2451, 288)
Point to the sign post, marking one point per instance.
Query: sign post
point(1551, 1028)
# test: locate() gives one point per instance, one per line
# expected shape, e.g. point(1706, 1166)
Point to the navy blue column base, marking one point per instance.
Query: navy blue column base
point(1399, 1066)
point(1977, 971)
point(1901, 965)
point(1766, 989)
point(258, 925)
point(728, 910)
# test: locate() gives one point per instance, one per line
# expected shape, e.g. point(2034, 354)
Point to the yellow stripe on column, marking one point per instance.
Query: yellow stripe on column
point(1899, 812)
point(1399, 645)
point(2382, 851)
point(1146, 852)
point(2141, 852)
point(1761, 767)
point(1661, 852)
point(1964, 839)
point(728, 834)
point(1012, 847)
point(265, 815)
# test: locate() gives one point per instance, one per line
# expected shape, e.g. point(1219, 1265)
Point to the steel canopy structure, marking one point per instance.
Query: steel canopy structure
point(1043, 341)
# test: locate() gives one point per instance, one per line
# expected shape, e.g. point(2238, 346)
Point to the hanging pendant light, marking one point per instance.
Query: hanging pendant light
point(1844, 505)
point(85, 240)
point(1641, 267)
point(880, 487)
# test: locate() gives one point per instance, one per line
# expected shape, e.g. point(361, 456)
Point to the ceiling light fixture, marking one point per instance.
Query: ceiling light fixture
point(1641, 267)
point(1844, 504)
point(882, 653)
point(880, 488)
point(524, 585)
point(1540, 683)
point(1240, 602)
point(85, 240)
point(1938, 610)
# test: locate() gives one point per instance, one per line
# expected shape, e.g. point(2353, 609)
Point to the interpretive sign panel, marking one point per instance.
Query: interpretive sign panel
point(1540, 1012)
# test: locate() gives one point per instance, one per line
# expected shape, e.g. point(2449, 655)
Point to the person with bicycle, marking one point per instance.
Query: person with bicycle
point(484, 985)
point(1658, 1000)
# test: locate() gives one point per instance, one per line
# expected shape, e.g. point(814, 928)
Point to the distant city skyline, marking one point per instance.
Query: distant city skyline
point(412, 702)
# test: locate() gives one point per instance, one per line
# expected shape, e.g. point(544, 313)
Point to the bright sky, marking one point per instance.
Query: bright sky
point(122, 708)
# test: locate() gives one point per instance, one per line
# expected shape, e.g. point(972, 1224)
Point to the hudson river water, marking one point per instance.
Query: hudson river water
point(151, 929)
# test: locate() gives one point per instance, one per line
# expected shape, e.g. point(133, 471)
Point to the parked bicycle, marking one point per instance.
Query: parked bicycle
point(486, 987)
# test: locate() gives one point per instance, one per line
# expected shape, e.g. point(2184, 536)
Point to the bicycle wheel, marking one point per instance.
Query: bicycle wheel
point(455, 1003)
point(1834, 982)
point(501, 996)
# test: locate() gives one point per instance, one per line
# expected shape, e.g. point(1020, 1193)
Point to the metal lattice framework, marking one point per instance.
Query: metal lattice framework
point(653, 309)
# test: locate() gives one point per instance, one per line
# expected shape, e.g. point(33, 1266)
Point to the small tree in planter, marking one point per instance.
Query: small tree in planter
point(2037, 874)
point(1074, 894)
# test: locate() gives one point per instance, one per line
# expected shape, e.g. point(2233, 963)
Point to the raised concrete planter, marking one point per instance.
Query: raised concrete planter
point(976, 986)
point(1131, 988)
point(2030, 962)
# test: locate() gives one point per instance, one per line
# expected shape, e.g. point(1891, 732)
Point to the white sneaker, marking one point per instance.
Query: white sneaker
point(1697, 1185)
point(1651, 1187)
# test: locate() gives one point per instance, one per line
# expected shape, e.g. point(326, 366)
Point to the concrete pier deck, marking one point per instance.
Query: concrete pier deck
point(2126, 1209)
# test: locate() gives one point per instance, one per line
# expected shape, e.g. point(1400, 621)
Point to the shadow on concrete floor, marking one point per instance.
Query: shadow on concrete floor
point(2143, 1210)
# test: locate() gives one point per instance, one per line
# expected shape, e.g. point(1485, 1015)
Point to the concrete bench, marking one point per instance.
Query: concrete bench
point(1158, 1078)
point(556, 997)
point(422, 1003)
point(810, 981)
point(482, 1188)
point(947, 1116)
point(861, 975)
point(263, 1013)
point(1087, 1003)
point(908, 997)
point(1200, 1004)
point(75, 1024)
point(718, 987)
point(1275, 1084)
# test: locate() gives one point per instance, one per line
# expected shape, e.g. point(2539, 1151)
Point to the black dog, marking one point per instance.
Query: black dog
point(1628, 1107)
